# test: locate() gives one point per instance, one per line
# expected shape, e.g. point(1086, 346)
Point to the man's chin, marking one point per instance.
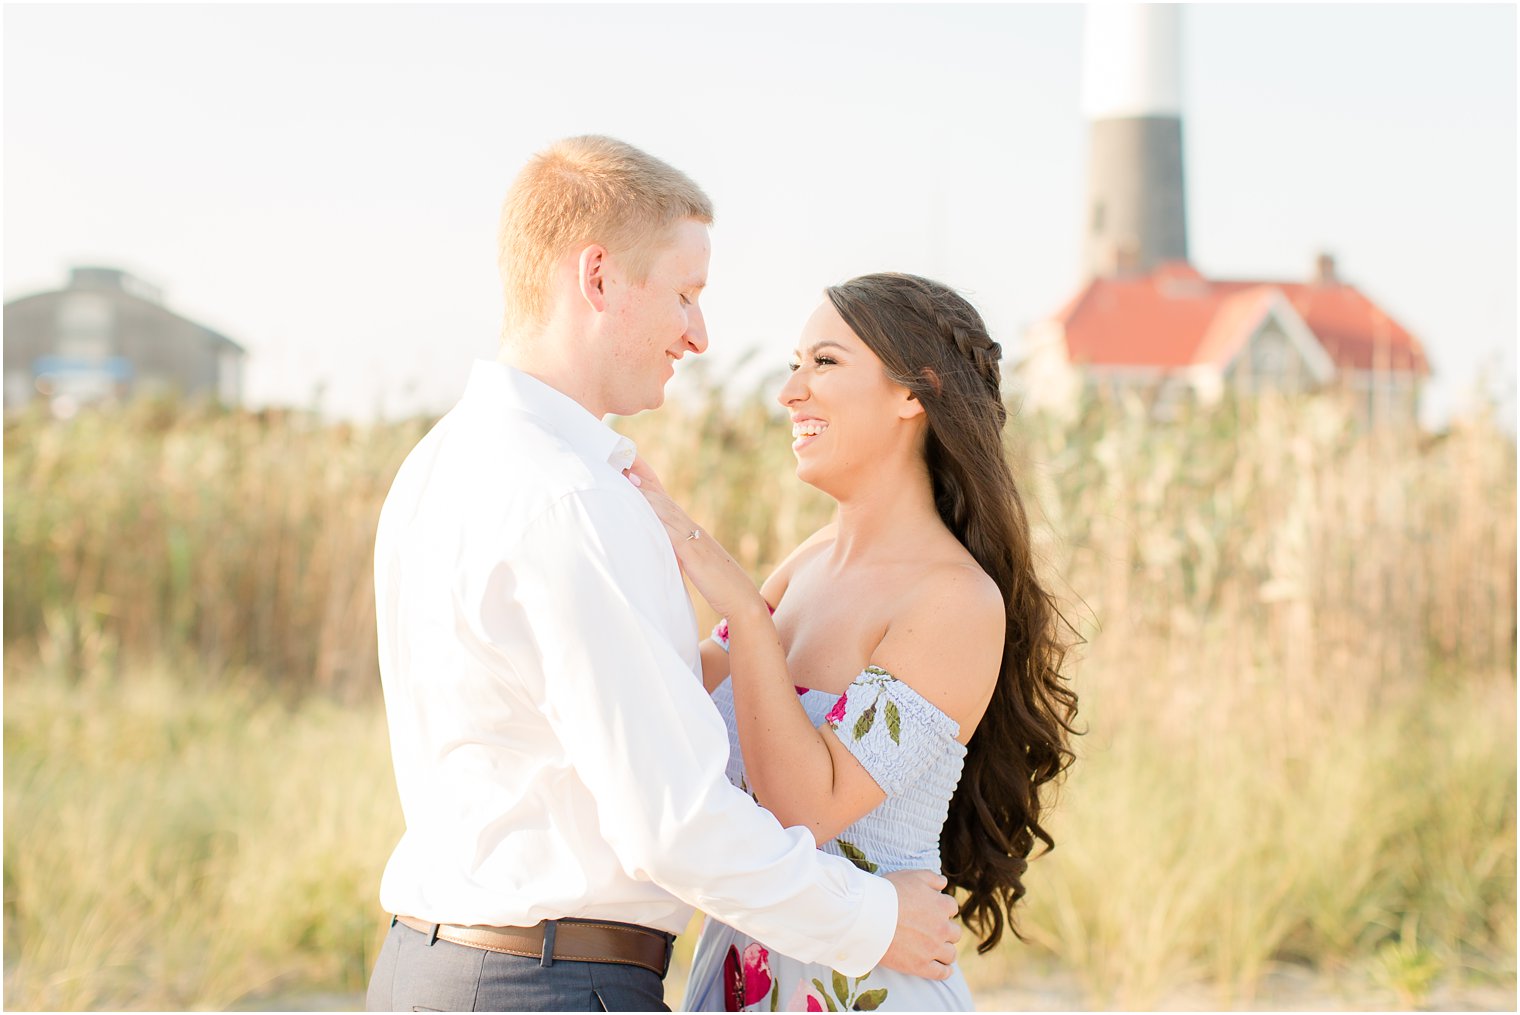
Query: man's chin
point(634, 406)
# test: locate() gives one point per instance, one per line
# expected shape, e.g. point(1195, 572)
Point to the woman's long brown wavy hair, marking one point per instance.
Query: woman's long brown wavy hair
point(934, 343)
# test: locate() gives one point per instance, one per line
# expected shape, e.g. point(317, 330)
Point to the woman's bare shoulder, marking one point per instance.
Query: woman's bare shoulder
point(945, 638)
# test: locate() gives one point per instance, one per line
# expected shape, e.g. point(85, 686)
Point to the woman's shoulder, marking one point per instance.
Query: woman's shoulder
point(940, 580)
point(950, 596)
point(945, 638)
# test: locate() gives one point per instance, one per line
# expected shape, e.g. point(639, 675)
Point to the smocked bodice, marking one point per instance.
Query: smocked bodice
point(906, 744)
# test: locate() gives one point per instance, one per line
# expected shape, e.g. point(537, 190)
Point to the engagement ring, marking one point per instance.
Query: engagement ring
point(694, 533)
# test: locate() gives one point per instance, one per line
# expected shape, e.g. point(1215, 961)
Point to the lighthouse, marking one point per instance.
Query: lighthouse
point(1146, 320)
point(1136, 213)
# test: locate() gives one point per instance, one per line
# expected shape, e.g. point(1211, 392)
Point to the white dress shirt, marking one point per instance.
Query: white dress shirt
point(555, 752)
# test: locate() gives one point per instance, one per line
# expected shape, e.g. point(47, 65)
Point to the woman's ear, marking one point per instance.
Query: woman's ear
point(912, 405)
point(590, 269)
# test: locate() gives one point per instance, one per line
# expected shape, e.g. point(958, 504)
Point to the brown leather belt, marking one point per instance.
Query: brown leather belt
point(565, 940)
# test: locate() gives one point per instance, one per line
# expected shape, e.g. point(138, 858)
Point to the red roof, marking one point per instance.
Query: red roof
point(1174, 318)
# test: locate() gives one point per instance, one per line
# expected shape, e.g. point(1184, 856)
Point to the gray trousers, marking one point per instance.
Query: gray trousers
point(414, 974)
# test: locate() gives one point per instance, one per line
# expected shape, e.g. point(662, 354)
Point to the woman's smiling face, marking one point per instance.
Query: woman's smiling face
point(845, 411)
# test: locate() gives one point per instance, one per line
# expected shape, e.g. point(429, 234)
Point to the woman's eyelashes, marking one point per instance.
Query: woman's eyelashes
point(819, 360)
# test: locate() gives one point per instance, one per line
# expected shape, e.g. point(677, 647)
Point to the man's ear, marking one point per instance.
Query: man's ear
point(590, 274)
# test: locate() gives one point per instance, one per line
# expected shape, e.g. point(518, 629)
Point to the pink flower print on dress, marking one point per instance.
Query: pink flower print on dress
point(836, 714)
point(756, 973)
point(733, 981)
point(804, 998)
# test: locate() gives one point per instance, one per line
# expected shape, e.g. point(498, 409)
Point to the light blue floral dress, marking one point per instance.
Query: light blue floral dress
point(909, 747)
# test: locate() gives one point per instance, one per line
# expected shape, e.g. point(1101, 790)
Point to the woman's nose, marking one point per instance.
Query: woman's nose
point(794, 390)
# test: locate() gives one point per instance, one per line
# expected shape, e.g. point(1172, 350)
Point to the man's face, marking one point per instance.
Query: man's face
point(656, 322)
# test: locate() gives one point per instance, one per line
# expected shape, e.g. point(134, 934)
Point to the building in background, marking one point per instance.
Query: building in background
point(1145, 318)
point(108, 336)
point(1181, 337)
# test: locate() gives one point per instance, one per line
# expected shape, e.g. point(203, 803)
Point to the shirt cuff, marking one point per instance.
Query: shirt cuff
point(875, 926)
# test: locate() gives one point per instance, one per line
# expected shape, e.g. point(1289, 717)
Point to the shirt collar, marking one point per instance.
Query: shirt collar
point(501, 386)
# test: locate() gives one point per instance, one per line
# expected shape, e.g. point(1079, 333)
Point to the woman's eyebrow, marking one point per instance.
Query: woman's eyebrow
point(821, 344)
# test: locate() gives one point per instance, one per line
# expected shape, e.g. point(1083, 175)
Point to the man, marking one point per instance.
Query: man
point(561, 769)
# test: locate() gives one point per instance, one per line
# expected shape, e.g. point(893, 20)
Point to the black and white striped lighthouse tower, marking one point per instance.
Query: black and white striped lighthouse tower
point(1132, 96)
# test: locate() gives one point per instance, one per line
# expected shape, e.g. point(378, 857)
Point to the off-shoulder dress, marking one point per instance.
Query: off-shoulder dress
point(909, 747)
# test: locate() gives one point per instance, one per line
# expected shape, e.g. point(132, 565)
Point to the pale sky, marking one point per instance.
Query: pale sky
point(322, 184)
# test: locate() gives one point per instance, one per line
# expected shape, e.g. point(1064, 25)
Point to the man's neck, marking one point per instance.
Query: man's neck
point(540, 359)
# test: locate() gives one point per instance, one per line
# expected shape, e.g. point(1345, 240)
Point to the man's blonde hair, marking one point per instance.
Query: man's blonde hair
point(583, 190)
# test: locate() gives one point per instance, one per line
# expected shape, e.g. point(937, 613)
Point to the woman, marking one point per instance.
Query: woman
point(913, 621)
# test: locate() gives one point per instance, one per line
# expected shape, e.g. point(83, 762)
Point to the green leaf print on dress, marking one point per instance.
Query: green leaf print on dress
point(856, 856)
point(873, 676)
point(909, 747)
point(848, 992)
point(864, 723)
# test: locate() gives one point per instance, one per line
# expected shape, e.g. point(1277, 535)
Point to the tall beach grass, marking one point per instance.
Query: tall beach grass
point(1297, 681)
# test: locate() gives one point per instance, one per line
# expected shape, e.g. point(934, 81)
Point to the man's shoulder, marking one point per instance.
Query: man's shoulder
point(534, 450)
point(510, 447)
point(517, 462)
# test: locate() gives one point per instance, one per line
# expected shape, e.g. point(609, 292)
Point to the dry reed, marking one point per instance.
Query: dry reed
point(1298, 681)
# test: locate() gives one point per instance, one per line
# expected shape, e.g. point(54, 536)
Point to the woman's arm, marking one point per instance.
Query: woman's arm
point(803, 774)
point(715, 668)
point(789, 763)
point(947, 639)
point(800, 773)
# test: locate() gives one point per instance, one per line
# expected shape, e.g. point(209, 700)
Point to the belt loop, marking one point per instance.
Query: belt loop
point(547, 959)
point(433, 937)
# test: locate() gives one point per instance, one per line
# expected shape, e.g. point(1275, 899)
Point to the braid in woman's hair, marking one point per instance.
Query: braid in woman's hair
point(934, 343)
point(976, 345)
